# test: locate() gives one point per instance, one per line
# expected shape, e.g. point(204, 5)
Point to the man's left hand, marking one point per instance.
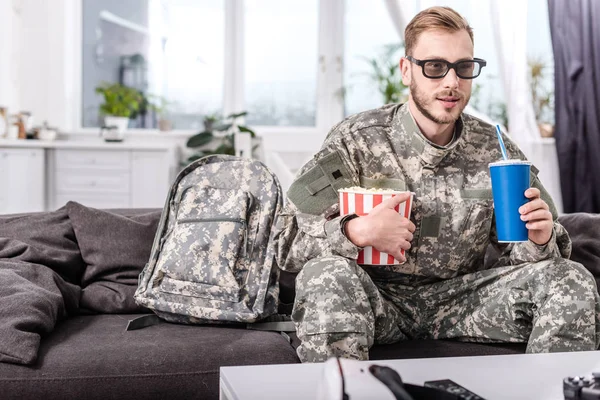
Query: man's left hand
point(538, 217)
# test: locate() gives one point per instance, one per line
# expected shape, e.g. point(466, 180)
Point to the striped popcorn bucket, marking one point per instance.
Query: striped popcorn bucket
point(361, 203)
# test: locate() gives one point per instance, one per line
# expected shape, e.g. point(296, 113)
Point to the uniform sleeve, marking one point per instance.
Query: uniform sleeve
point(309, 225)
point(559, 244)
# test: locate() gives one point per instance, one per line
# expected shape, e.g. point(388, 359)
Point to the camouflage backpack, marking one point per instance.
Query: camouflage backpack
point(212, 258)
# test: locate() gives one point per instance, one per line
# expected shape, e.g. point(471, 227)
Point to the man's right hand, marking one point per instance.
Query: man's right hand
point(383, 228)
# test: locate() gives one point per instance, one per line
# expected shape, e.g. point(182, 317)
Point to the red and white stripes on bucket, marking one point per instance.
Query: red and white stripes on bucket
point(361, 203)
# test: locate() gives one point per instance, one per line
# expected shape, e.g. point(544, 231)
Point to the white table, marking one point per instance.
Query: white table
point(522, 376)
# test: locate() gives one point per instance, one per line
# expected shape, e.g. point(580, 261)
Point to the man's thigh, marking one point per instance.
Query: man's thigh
point(495, 305)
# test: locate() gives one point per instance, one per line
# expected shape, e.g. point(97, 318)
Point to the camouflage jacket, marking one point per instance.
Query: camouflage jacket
point(452, 209)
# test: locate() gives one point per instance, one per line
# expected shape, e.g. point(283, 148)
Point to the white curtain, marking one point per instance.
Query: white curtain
point(397, 14)
point(510, 34)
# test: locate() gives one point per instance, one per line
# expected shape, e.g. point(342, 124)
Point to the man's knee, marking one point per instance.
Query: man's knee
point(329, 298)
point(567, 272)
point(322, 269)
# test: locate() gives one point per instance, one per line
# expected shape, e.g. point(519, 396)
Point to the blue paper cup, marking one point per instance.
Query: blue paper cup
point(510, 180)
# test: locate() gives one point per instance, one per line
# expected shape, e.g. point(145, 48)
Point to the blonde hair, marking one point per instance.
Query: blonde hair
point(434, 18)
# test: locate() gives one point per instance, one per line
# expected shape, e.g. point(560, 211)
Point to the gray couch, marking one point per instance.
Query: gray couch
point(66, 283)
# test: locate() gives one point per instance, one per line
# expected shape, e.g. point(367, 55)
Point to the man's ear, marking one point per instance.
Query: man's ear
point(405, 71)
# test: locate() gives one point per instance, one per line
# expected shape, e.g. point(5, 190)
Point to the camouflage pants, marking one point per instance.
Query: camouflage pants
point(340, 310)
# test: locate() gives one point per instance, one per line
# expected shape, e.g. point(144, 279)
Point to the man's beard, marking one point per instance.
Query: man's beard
point(422, 102)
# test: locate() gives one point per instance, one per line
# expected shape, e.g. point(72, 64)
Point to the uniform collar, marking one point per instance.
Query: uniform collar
point(429, 153)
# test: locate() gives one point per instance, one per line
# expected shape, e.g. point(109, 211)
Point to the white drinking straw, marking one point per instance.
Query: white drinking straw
point(502, 148)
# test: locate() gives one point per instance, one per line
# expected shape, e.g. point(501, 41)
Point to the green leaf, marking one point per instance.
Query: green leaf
point(200, 139)
point(225, 149)
point(237, 115)
point(222, 127)
point(243, 128)
point(229, 140)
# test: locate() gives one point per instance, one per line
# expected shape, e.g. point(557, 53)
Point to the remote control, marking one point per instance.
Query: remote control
point(582, 387)
point(454, 388)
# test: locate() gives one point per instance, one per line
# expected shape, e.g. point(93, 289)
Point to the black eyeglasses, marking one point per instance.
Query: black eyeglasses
point(436, 69)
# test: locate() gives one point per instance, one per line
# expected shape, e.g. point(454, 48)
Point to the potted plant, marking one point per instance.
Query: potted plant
point(120, 102)
point(218, 136)
point(541, 96)
point(386, 74)
point(162, 107)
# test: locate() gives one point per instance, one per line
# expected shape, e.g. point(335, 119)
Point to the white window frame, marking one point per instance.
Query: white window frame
point(329, 107)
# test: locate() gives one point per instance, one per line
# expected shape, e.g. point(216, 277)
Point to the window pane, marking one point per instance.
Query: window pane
point(168, 50)
point(368, 33)
point(281, 50)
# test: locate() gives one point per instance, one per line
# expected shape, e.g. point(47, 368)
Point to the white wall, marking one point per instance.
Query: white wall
point(36, 72)
point(9, 22)
point(45, 70)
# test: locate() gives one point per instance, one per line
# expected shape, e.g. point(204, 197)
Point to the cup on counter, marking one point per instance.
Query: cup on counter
point(360, 201)
point(510, 180)
point(46, 133)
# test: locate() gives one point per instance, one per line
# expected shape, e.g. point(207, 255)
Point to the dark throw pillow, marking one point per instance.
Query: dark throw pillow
point(45, 238)
point(115, 249)
point(584, 230)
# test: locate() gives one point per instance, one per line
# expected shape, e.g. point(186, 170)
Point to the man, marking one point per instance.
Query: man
point(533, 294)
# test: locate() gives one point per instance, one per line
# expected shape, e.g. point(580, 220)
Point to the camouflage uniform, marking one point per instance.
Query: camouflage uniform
point(532, 294)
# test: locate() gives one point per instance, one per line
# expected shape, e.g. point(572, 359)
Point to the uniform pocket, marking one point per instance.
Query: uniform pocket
point(475, 233)
point(461, 237)
point(202, 290)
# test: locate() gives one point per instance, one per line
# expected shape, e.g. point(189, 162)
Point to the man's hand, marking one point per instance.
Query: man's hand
point(538, 217)
point(383, 228)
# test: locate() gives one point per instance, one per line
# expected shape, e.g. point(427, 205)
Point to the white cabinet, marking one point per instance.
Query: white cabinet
point(103, 178)
point(38, 176)
point(22, 183)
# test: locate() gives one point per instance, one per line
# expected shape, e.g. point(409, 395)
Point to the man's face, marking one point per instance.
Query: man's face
point(440, 100)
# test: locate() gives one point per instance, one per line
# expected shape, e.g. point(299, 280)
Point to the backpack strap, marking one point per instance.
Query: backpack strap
point(143, 322)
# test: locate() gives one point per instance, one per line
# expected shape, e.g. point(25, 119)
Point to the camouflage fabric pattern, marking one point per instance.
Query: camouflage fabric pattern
point(453, 215)
point(451, 184)
point(342, 309)
point(212, 258)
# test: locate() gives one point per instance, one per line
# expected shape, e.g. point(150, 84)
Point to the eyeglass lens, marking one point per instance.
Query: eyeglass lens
point(464, 69)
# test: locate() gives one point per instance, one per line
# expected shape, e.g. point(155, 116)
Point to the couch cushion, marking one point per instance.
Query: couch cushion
point(584, 230)
point(115, 249)
point(93, 357)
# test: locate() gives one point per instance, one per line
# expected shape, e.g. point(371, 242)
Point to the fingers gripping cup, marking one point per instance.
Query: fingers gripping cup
point(510, 180)
point(361, 201)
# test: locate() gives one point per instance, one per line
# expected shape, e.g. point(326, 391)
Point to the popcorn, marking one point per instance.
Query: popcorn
point(358, 189)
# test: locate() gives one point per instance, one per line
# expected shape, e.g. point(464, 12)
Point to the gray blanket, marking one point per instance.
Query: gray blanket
point(50, 270)
point(40, 266)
